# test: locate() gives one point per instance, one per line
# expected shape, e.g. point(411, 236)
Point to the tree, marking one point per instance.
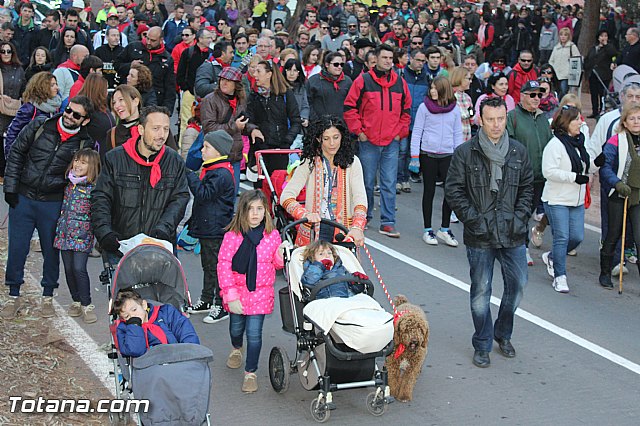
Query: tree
point(590, 24)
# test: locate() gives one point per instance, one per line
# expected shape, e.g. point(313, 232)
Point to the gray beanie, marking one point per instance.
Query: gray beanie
point(352, 20)
point(220, 140)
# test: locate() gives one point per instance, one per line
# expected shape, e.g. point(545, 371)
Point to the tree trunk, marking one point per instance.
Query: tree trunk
point(590, 24)
point(295, 19)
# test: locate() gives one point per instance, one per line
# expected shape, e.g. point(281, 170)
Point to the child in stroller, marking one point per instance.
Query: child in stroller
point(322, 262)
point(144, 325)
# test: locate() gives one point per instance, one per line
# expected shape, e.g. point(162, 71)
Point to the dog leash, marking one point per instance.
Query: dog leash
point(384, 287)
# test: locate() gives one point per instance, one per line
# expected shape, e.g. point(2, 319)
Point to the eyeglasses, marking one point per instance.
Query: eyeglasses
point(499, 61)
point(73, 113)
point(6, 52)
point(533, 95)
point(338, 64)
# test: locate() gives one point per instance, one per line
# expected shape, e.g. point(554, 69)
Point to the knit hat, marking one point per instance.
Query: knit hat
point(220, 140)
point(142, 28)
point(352, 20)
point(231, 74)
point(278, 21)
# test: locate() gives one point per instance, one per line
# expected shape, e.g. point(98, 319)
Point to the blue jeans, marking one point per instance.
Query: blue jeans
point(513, 264)
point(567, 226)
point(75, 271)
point(236, 174)
point(385, 159)
point(27, 216)
point(404, 156)
point(253, 326)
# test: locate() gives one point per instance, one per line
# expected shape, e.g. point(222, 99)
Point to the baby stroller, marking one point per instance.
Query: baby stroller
point(334, 350)
point(175, 378)
point(623, 75)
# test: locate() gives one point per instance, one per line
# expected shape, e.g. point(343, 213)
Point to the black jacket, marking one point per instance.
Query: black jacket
point(490, 220)
point(324, 98)
point(46, 38)
point(277, 117)
point(23, 39)
point(108, 55)
point(214, 198)
point(190, 60)
point(630, 55)
point(354, 68)
point(206, 78)
point(161, 66)
point(124, 202)
point(37, 169)
point(600, 60)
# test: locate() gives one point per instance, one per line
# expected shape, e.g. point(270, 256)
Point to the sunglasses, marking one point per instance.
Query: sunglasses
point(73, 113)
point(222, 23)
point(352, 26)
point(6, 52)
point(443, 39)
point(546, 72)
point(416, 43)
point(338, 64)
point(145, 35)
point(183, 35)
point(526, 60)
point(325, 28)
point(533, 95)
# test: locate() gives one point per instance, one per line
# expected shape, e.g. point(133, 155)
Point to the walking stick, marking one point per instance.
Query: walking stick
point(624, 233)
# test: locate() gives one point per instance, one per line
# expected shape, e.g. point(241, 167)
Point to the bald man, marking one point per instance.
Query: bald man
point(67, 72)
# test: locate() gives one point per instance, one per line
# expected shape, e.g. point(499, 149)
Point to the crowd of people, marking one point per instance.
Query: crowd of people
point(480, 98)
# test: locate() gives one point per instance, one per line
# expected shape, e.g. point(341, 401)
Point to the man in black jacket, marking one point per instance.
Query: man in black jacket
point(490, 188)
point(207, 73)
point(108, 52)
point(142, 187)
point(50, 34)
point(152, 54)
point(35, 179)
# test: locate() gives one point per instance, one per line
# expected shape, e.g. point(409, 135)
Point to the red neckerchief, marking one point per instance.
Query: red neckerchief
point(334, 81)
point(233, 102)
point(155, 329)
point(156, 173)
point(383, 81)
point(205, 50)
point(308, 68)
point(252, 82)
point(498, 67)
point(134, 132)
point(401, 347)
point(69, 64)
point(157, 51)
point(222, 64)
point(222, 164)
point(64, 136)
point(306, 25)
point(195, 126)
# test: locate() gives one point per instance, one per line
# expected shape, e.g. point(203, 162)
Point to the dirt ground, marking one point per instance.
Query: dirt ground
point(35, 361)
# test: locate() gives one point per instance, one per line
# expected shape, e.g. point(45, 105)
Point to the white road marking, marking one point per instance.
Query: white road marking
point(565, 334)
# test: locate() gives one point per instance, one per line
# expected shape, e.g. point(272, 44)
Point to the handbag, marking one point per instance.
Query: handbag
point(8, 105)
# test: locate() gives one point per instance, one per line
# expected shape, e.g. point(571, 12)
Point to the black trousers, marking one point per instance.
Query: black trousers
point(433, 168)
point(616, 211)
point(209, 249)
point(597, 92)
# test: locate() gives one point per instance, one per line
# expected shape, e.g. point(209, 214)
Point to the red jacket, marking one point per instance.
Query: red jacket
point(77, 86)
point(401, 43)
point(378, 106)
point(517, 78)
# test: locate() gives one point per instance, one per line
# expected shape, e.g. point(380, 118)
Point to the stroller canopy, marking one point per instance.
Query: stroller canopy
point(154, 272)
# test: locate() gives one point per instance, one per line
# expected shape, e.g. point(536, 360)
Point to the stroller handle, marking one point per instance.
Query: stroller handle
point(331, 223)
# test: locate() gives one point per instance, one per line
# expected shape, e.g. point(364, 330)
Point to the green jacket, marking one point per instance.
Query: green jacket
point(534, 132)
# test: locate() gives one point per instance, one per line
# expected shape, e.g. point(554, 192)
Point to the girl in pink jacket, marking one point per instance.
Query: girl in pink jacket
point(249, 256)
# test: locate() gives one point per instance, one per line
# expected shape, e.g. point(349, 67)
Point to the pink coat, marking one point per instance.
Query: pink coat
point(233, 285)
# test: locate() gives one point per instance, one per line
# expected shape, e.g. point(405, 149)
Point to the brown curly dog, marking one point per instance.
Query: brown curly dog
point(410, 338)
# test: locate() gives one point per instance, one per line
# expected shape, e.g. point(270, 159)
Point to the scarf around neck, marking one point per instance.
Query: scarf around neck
point(156, 173)
point(332, 79)
point(50, 106)
point(434, 108)
point(75, 179)
point(65, 134)
point(157, 51)
point(497, 154)
point(245, 261)
point(576, 151)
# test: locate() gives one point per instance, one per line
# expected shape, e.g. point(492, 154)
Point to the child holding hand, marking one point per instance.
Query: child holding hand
point(250, 254)
point(321, 262)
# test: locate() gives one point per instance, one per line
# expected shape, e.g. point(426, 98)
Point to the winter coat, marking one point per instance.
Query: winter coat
point(233, 286)
point(214, 198)
point(148, 97)
point(315, 273)
point(379, 107)
point(324, 98)
point(161, 67)
point(73, 231)
point(436, 132)
point(560, 56)
point(101, 122)
point(561, 188)
point(277, 117)
point(207, 78)
point(418, 85)
point(66, 76)
point(612, 171)
point(354, 68)
point(532, 130)
point(548, 37)
point(31, 71)
point(216, 114)
point(599, 59)
point(119, 134)
point(521, 39)
point(190, 60)
point(13, 80)
point(177, 328)
point(108, 55)
point(333, 44)
point(124, 202)
point(517, 78)
point(27, 113)
point(300, 93)
point(630, 55)
point(23, 38)
point(172, 31)
point(490, 220)
point(37, 169)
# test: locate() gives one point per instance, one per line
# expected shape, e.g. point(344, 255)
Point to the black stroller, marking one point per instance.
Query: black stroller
point(174, 378)
point(333, 355)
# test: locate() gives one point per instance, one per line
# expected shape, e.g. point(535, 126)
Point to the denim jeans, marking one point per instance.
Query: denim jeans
point(567, 226)
point(404, 156)
point(236, 175)
point(27, 216)
point(385, 159)
point(209, 249)
point(253, 326)
point(75, 271)
point(513, 264)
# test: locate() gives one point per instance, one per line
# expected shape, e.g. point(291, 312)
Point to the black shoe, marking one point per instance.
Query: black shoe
point(481, 359)
point(201, 307)
point(415, 178)
point(605, 281)
point(216, 313)
point(506, 348)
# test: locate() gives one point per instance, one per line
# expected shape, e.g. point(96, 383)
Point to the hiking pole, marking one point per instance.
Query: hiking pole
point(624, 233)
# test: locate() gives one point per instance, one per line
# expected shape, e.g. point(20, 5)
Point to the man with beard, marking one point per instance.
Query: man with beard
point(151, 52)
point(34, 183)
point(142, 187)
point(333, 41)
point(354, 68)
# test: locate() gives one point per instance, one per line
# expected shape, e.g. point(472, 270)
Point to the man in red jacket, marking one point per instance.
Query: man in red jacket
point(522, 72)
point(378, 110)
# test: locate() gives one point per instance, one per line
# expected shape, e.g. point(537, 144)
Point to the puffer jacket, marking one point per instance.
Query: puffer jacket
point(532, 130)
point(124, 202)
point(233, 285)
point(13, 80)
point(315, 272)
point(277, 117)
point(37, 169)
point(217, 115)
point(27, 113)
point(214, 198)
point(490, 220)
point(324, 98)
point(418, 85)
point(73, 231)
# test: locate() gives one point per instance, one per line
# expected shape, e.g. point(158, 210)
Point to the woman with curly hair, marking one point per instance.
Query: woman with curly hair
point(141, 78)
point(332, 175)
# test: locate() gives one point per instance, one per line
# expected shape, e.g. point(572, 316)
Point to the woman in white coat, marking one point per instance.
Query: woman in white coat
point(559, 60)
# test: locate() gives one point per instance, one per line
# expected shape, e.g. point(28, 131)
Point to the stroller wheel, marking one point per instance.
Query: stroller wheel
point(279, 369)
point(319, 410)
point(375, 403)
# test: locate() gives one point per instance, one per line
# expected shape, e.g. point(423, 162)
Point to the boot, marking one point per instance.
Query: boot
point(605, 271)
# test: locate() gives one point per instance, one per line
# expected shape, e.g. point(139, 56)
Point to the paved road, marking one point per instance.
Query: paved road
point(553, 380)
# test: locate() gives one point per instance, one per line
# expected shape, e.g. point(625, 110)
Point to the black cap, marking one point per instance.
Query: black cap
point(141, 17)
point(364, 42)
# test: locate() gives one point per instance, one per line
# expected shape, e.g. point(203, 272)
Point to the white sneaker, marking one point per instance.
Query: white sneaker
point(529, 258)
point(616, 270)
point(430, 238)
point(453, 218)
point(447, 237)
point(549, 262)
point(536, 237)
point(560, 284)
point(572, 253)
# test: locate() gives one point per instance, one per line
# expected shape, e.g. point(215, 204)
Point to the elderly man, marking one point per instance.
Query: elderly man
point(489, 187)
point(631, 53)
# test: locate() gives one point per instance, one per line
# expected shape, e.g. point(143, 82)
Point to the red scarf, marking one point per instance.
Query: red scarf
point(222, 64)
point(69, 64)
point(194, 126)
point(233, 102)
point(310, 27)
point(157, 51)
point(224, 164)
point(156, 173)
point(308, 68)
point(64, 136)
point(498, 67)
point(155, 329)
point(333, 80)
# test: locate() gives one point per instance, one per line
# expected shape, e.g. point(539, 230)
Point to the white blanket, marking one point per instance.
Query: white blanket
point(358, 321)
